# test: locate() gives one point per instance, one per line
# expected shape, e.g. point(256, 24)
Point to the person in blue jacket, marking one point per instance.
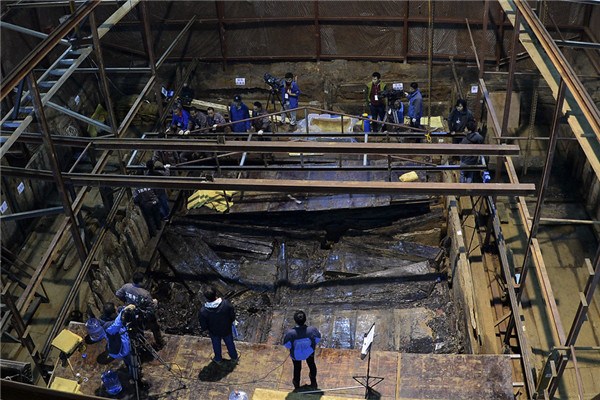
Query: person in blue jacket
point(289, 97)
point(415, 105)
point(180, 120)
point(302, 341)
point(239, 111)
point(117, 338)
point(395, 115)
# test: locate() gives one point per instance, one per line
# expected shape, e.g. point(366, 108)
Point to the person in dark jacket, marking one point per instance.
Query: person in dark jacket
point(157, 168)
point(472, 137)
point(214, 119)
point(217, 316)
point(415, 105)
point(134, 293)
point(302, 341)
point(148, 202)
point(395, 115)
point(263, 124)
point(458, 118)
point(375, 101)
point(239, 111)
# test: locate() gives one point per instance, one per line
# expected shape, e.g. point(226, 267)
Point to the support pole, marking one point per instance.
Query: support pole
point(39, 111)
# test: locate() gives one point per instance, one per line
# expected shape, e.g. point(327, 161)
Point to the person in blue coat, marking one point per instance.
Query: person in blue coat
point(415, 105)
point(302, 341)
point(395, 115)
point(180, 120)
point(237, 112)
point(289, 97)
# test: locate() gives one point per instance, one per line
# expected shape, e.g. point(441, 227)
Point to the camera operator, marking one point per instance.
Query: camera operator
point(395, 114)
point(117, 338)
point(134, 293)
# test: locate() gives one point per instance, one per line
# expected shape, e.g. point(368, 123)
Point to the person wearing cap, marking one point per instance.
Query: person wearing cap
point(239, 111)
point(289, 97)
point(180, 120)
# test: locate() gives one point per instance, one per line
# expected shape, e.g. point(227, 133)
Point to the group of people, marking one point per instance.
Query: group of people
point(379, 95)
point(217, 316)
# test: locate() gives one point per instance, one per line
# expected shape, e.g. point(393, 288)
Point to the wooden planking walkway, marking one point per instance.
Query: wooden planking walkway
point(406, 376)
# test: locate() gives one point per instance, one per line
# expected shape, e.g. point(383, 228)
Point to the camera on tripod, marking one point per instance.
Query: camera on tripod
point(272, 81)
point(392, 94)
point(134, 318)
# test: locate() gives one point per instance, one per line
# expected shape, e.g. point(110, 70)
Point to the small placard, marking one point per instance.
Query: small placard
point(398, 86)
point(474, 89)
point(164, 91)
point(240, 81)
point(3, 207)
point(21, 187)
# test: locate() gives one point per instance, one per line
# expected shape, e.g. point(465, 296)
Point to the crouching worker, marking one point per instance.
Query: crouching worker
point(117, 338)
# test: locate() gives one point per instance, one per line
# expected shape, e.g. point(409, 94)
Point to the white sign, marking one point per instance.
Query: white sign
point(240, 81)
point(474, 89)
point(164, 91)
point(3, 207)
point(398, 86)
point(21, 187)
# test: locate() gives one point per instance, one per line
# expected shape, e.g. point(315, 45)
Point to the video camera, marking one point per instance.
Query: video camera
point(392, 94)
point(272, 81)
point(135, 318)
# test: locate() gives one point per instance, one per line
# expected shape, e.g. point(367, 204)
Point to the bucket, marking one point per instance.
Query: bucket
point(111, 382)
point(95, 330)
point(238, 395)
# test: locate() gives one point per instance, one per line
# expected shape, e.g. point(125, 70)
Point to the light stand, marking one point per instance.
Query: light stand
point(368, 381)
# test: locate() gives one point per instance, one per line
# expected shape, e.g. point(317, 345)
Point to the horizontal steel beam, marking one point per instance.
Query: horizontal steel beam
point(29, 32)
point(574, 43)
point(425, 149)
point(83, 118)
point(284, 186)
point(32, 214)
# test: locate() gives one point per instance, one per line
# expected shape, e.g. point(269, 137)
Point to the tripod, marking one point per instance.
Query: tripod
point(139, 341)
point(366, 351)
point(274, 94)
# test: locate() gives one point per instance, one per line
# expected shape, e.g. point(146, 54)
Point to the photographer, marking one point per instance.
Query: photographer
point(117, 338)
point(134, 293)
point(395, 114)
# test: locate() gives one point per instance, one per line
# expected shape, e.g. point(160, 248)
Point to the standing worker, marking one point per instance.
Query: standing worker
point(239, 111)
point(415, 105)
point(458, 118)
point(302, 341)
point(472, 137)
point(217, 316)
point(289, 97)
point(375, 101)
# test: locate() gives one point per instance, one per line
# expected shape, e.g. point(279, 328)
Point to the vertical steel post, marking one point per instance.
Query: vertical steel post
point(147, 36)
point(54, 166)
point(482, 51)
point(540, 200)
point(317, 30)
point(222, 39)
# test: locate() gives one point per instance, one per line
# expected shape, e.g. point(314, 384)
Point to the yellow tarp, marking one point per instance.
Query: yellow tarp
point(212, 199)
point(65, 385)
point(436, 122)
point(267, 394)
point(100, 115)
point(67, 341)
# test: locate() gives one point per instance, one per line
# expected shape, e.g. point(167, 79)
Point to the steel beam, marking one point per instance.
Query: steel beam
point(56, 170)
point(424, 149)
point(287, 186)
point(83, 118)
point(32, 214)
point(45, 47)
point(30, 32)
point(577, 44)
